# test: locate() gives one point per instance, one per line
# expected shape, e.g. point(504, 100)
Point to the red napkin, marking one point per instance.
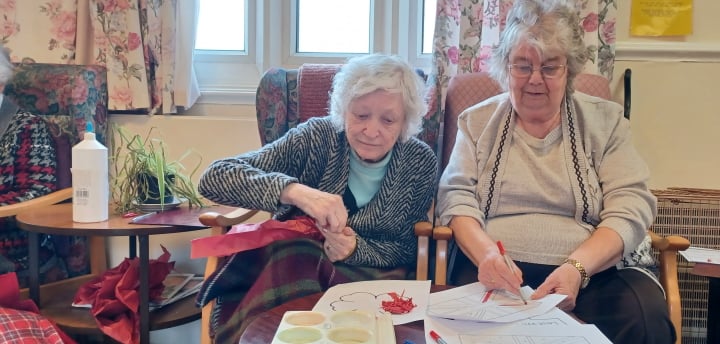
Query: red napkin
point(10, 298)
point(248, 236)
point(115, 296)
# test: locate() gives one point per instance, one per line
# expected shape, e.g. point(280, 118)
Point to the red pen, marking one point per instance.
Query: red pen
point(510, 266)
point(436, 337)
point(487, 296)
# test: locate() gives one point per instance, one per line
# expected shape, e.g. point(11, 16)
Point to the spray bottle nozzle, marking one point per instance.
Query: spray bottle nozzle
point(89, 127)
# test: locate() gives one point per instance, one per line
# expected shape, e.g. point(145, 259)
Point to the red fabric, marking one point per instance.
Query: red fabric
point(20, 320)
point(315, 83)
point(115, 296)
point(245, 237)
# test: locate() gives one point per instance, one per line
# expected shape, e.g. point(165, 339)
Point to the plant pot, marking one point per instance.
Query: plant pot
point(148, 190)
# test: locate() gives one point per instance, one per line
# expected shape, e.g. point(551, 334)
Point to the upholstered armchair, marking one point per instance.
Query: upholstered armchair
point(66, 97)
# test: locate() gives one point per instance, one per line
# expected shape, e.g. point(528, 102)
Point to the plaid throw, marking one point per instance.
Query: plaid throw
point(23, 327)
point(254, 281)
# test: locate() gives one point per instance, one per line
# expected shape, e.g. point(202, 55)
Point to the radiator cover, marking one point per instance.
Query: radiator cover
point(695, 215)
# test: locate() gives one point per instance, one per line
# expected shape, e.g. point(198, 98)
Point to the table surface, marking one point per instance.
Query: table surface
point(706, 269)
point(57, 219)
point(262, 329)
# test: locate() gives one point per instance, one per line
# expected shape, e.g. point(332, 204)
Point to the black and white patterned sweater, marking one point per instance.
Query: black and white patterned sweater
point(317, 155)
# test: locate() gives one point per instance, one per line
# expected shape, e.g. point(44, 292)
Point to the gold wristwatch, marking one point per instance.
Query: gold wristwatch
point(584, 278)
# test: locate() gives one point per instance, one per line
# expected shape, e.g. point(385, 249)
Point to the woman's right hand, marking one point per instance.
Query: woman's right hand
point(327, 209)
point(494, 273)
point(483, 251)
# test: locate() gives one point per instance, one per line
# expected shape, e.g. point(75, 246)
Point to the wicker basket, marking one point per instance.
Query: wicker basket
point(695, 215)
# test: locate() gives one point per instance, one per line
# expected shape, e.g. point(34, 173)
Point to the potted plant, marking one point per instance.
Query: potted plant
point(143, 174)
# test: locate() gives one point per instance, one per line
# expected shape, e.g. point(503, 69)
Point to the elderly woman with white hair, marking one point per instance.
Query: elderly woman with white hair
point(359, 173)
point(27, 171)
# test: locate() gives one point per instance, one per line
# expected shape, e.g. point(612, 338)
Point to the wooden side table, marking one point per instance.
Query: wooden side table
point(57, 219)
point(712, 272)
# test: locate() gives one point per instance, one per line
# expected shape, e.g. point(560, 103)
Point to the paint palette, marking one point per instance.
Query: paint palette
point(310, 327)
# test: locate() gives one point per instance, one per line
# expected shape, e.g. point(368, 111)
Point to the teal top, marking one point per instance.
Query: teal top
point(365, 177)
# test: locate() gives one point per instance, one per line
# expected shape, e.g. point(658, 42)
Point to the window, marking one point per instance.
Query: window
point(252, 36)
point(332, 26)
point(215, 19)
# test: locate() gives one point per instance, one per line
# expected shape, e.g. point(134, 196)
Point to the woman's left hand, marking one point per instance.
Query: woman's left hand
point(339, 246)
point(564, 280)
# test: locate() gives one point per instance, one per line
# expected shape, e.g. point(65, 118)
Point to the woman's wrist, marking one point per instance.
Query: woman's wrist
point(353, 250)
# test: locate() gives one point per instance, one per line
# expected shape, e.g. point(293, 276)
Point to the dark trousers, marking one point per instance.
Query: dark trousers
point(626, 305)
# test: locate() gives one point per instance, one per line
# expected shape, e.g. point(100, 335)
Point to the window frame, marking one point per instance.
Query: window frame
point(232, 78)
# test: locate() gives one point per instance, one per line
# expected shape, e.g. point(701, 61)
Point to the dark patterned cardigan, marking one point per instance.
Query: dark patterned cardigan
point(27, 171)
point(316, 154)
point(27, 160)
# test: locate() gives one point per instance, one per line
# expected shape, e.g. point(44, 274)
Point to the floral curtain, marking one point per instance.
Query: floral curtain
point(149, 65)
point(466, 31)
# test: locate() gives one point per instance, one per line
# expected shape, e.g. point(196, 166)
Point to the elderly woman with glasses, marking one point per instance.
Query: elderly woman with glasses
point(553, 175)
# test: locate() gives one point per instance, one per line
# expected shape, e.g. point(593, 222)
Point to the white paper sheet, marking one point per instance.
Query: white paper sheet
point(474, 302)
point(368, 296)
point(701, 255)
point(552, 327)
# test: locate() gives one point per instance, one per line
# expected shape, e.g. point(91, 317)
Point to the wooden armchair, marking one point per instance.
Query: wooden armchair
point(468, 89)
point(66, 97)
point(285, 98)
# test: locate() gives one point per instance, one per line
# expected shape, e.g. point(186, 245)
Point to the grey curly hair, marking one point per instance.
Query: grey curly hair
point(548, 26)
point(368, 73)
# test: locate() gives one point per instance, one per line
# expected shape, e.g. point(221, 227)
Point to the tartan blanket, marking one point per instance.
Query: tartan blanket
point(251, 282)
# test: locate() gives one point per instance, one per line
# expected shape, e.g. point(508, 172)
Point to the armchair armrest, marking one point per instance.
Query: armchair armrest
point(423, 231)
point(49, 199)
point(668, 248)
point(230, 219)
point(442, 235)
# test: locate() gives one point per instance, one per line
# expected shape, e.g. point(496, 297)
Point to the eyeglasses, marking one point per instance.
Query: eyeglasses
point(525, 70)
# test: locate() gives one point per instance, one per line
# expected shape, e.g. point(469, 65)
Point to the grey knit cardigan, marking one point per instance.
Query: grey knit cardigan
point(316, 154)
point(613, 173)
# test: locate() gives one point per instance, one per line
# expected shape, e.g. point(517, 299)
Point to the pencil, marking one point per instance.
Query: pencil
point(510, 266)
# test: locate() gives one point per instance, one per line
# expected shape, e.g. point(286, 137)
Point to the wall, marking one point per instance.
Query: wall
point(674, 117)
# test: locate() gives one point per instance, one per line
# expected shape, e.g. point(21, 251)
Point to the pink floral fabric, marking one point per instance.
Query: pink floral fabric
point(466, 31)
point(134, 39)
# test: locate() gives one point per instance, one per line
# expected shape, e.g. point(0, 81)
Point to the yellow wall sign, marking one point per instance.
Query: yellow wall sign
point(661, 17)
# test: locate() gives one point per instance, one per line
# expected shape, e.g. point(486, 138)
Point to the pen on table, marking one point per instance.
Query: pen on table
point(436, 337)
point(510, 266)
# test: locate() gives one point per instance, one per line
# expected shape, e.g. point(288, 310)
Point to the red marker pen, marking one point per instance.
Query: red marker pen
point(436, 337)
point(510, 266)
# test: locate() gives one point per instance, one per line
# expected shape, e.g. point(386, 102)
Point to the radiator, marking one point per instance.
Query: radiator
point(695, 215)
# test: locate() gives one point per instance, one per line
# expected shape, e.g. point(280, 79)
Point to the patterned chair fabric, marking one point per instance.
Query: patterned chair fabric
point(279, 94)
point(67, 97)
point(276, 103)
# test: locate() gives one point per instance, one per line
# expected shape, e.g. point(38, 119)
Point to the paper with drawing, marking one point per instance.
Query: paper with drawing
point(369, 295)
point(474, 302)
